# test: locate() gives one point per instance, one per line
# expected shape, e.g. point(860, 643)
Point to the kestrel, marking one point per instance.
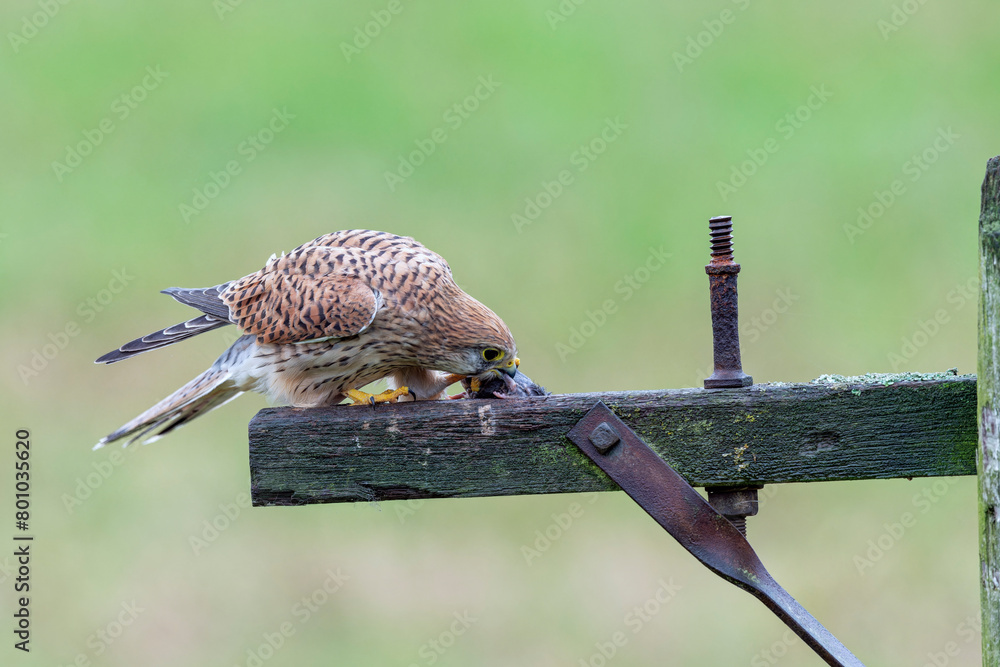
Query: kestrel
point(319, 323)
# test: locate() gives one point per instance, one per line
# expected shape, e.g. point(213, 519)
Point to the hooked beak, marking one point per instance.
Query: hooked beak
point(510, 368)
point(508, 371)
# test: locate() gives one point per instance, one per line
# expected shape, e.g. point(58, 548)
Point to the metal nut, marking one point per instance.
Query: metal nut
point(733, 501)
point(604, 437)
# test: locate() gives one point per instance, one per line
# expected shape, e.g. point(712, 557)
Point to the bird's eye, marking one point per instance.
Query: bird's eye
point(492, 354)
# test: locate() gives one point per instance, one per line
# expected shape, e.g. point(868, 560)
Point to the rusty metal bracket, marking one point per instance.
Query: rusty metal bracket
point(709, 536)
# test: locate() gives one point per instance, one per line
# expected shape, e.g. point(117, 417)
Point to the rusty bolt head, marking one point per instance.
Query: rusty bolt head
point(604, 437)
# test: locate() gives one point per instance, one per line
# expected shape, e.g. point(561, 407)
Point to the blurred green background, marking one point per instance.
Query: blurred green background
point(697, 92)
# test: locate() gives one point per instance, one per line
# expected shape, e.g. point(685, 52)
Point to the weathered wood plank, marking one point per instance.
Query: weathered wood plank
point(988, 456)
point(855, 429)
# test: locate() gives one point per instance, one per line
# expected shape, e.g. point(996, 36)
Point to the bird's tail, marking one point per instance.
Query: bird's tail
point(163, 337)
point(214, 387)
point(207, 300)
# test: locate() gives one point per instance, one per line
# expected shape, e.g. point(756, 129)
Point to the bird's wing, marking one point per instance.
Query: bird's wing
point(312, 293)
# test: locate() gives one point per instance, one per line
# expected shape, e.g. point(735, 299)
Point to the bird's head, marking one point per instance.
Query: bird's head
point(486, 361)
point(490, 356)
point(498, 362)
point(479, 344)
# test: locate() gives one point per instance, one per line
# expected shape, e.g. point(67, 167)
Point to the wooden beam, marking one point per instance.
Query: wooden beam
point(988, 456)
point(872, 427)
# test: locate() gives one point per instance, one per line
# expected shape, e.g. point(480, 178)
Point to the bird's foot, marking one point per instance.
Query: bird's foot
point(364, 398)
point(451, 378)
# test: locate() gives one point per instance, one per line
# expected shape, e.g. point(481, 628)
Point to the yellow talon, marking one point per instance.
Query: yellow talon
point(474, 384)
point(364, 398)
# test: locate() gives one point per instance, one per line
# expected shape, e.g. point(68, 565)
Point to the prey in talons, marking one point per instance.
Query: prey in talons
point(496, 385)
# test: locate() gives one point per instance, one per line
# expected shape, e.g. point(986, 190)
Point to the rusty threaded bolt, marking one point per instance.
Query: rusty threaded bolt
point(722, 273)
point(720, 229)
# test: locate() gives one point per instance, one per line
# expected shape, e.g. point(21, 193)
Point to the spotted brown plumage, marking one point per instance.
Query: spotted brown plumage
point(319, 323)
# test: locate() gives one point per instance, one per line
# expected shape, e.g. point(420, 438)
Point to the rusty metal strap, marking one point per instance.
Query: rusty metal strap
point(709, 536)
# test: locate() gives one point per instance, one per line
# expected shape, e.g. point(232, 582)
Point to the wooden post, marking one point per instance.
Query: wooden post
point(988, 455)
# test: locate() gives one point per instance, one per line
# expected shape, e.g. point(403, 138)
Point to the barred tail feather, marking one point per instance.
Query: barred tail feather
point(213, 388)
point(163, 337)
